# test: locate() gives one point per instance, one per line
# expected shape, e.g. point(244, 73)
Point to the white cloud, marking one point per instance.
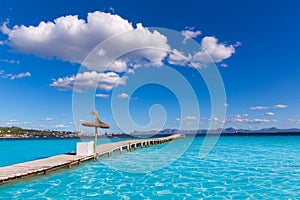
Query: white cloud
point(16, 76)
point(280, 106)
point(269, 113)
point(101, 52)
point(89, 80)
point(223, 65)
point(123, 96)
point(294, 121)
point(239, 120)
point(48, 119)
point(238, 116)
point(178, 58)
point(11, 122)
point(39, 126)
point(249, 121)
point(190, 33)
point(15, 122)
point(118, 66)
point(215, 119)
point(236, 119)
point(112, 10)
point(190, 118)
point(243, 118)
point(259, 108)
point(261, 121)
point(10, 61)
point(2, 72)
point(211, 49)
point(61, 126)
point(71, 39)
point(102, 95)
point(131, 71)
point(21, 75)
point(237, 44)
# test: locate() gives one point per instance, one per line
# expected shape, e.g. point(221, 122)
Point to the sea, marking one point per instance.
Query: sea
point(238, 167)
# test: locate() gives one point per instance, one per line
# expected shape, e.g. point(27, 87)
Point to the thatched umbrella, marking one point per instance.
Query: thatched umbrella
point(97, 123)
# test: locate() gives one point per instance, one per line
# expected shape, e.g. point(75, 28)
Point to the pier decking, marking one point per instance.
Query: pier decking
point(43, 166)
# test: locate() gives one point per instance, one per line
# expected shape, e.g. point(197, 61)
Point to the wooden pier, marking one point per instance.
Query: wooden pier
point(43, 166)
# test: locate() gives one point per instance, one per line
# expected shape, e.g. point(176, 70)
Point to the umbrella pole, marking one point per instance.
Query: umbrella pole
point(95, 143)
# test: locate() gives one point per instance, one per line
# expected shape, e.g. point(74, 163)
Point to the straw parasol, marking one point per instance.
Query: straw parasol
point(97, 123)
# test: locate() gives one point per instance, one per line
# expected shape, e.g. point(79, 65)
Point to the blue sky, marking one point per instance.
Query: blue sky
point(256, 53)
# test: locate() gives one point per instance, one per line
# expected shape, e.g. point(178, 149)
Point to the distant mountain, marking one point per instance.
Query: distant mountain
point(276, 130)
point(225, 131)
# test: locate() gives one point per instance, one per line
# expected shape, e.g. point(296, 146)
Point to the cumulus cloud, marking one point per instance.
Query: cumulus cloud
point(118, 66)
point(71, 39)
point(102, 95)
point(217, 51)
point(190, 33)
point(89, 80)
point(211, 51)
point(15, 76)
point(123, 96)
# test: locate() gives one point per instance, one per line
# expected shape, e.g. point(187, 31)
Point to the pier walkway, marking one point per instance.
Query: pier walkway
point(45, 165)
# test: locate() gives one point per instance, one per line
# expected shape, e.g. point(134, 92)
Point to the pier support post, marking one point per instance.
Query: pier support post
point(95, 143)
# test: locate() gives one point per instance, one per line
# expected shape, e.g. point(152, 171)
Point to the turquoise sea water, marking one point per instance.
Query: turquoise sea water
point(237, 168)
point(21, 150)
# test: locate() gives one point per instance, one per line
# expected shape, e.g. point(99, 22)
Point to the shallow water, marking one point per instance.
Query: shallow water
point(14, 151)
point(237, 168)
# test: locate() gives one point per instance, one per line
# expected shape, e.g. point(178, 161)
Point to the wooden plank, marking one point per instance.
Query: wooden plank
point(43, 166)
